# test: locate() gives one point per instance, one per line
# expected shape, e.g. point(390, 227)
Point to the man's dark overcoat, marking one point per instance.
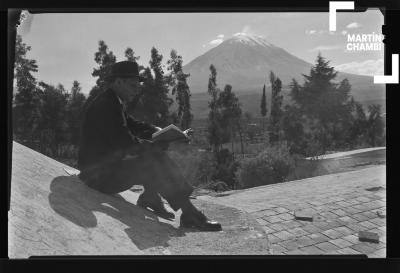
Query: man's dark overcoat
point(107, 133)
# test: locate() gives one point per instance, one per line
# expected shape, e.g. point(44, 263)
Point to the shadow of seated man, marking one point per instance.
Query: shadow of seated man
point(73, 200)
point(116, 151)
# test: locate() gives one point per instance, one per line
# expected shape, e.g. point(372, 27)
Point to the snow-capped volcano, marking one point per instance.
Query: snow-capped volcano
point(249, 39)
point(245, 62)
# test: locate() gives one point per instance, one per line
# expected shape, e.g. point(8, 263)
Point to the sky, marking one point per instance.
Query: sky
point(64, 44)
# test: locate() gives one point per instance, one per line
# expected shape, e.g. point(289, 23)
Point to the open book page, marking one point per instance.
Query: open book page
point(170, 133)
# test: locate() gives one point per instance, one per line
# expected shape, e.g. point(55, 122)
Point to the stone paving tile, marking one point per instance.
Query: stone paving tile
point(310, 228)
point(343, 204)
point(381, 253)
point(319, 237)
point(377, 230)
point(378, 221)
point(273, 239)
point(334, 223)
point(291, 224)
point(304, 241)
point(351, 210)
point(344, 230)
point(278, 249)
point(363, 248)
point(296, 252)
point(289, 244)
point(353, 238)
point(332, 234)
point(347, 219)
point(297, 231)
point(363, 199)
point(362, 207)
point(268, 230)
point(322, 225)
point(348, 251)
point(272, 219)
point(368, 224)
point(269, 212)
point(261, 221)
point(286, 216)
point(277, 226)
point(312, 250)
point(339, 212)
point(329, 215)
point(341, 243)
point(284, 235)
point(356, 227)
point(281, 210)
point(327, 246)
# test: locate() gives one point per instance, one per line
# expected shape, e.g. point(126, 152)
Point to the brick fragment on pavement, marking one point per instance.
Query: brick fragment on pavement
point(366, 236)
point(381, 214)
point(303, 216)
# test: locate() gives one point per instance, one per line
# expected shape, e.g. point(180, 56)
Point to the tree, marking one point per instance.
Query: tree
point(231, 112)
point(263, 105)
point(53, 124)
point(26, 109)
point(324, 109)
point(130, 55)
point(375, 125)
point(75, 106)
point(214, 129)
point(105, 59)
point(276, 108)
point(153, 105)
point(178, 81)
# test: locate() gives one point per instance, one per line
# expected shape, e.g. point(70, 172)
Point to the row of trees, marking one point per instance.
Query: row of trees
point(321, 114)
point(48, 118)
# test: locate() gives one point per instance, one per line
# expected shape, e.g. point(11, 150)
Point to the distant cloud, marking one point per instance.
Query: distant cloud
point(324, 48)
point(319, 32)
point(311, 31)
point(368, 67)
point(353, 25)
point(215, 42)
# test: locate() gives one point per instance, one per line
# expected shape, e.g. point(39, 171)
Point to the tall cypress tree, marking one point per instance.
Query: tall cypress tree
point(214, 129)
point(180, 88)
point(276, 108)
point(263, 105)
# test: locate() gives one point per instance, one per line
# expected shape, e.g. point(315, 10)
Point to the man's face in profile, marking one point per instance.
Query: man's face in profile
point(127, 88)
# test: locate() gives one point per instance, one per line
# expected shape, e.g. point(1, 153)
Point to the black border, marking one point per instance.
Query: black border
point(212, 263)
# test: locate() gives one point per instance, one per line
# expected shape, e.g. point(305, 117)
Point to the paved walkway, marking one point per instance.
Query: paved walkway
point(349, 153)
point(342, 205)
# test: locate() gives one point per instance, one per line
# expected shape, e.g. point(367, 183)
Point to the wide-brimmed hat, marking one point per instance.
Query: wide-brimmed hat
point(124, 69)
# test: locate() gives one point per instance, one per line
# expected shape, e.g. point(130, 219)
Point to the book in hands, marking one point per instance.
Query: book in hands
point(171, 133)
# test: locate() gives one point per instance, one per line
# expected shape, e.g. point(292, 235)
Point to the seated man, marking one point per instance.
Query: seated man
point(116, 152)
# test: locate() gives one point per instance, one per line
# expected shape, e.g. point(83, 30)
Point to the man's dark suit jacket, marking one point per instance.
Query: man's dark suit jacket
point(108, 132)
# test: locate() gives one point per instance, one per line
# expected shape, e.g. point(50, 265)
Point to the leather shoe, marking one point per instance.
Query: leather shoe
point(199, 221)
point(157, 207)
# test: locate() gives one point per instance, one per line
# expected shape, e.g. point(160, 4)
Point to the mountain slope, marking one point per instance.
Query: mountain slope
point(245, 61)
